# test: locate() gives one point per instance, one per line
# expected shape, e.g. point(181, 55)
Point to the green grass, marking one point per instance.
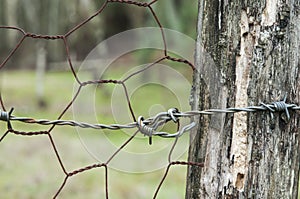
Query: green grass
point(29, 167)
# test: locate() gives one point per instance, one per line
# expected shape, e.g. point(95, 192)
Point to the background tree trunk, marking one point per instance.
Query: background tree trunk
point(3, 33)
point(254, 46)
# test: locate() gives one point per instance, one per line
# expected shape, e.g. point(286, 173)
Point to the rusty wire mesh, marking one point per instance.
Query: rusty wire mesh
point(81, 84)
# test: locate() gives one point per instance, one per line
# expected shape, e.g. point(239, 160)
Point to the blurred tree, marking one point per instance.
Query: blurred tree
point(116, 19)
point(39, 16)
point(44, 17)
point(178, 15)
point(4, 46)
point(87, 37)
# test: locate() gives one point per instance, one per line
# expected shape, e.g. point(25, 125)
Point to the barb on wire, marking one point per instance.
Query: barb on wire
point(6, 116)
point(148, 126)
point(279, 107)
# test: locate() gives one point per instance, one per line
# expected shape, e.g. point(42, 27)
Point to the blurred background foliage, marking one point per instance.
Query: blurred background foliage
point(37, 82)
point(54, 17)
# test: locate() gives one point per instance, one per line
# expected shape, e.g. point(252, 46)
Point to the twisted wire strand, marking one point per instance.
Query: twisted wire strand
point(148, 126)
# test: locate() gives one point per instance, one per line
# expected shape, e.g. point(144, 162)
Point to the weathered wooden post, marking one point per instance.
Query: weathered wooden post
point(255, 48)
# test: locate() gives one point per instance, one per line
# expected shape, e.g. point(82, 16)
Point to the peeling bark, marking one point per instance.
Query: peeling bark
point(268, 17)
point(239, 145)
point(247, 52)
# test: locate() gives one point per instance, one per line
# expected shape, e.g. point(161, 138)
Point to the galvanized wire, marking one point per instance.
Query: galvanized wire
point(148, 126)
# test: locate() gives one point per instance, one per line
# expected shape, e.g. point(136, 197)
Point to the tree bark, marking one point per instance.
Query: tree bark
point(251, 56)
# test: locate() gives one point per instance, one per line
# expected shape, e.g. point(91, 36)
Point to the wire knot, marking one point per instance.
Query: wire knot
point(279, 106)
point(171, 113)
point(160, 119)
point(146, 130)
point(5, 116)
point(282, 106)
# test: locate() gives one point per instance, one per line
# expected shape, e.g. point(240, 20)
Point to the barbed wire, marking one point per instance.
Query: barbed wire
point(158, 120)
